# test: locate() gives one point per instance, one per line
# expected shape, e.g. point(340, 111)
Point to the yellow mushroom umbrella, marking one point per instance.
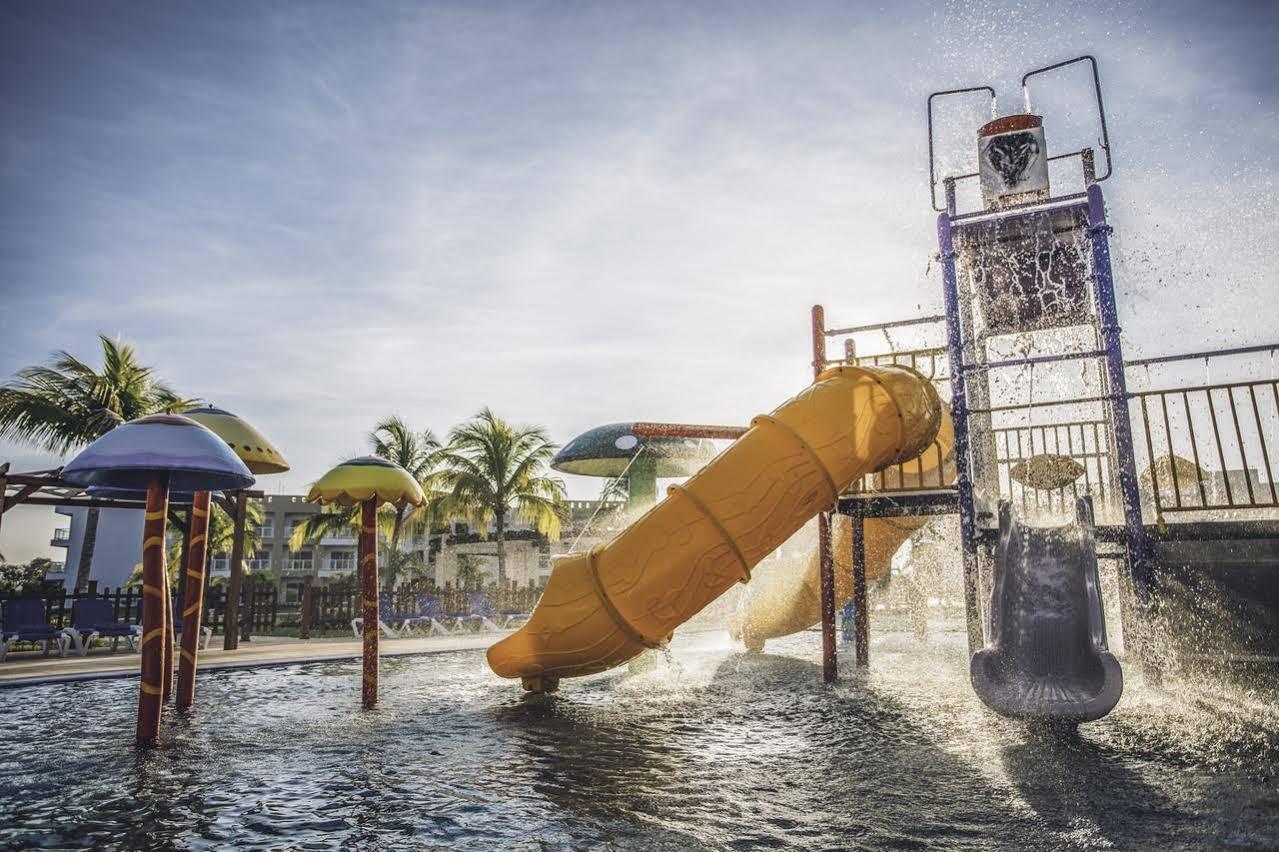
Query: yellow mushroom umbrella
point(260, 457)
point(257, 453)
point(368, 481)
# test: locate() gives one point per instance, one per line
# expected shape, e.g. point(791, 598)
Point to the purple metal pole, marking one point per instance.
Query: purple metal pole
point(959, 414)
point(1135, 531)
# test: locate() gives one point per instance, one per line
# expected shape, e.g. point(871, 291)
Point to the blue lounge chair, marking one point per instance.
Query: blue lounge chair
point(27, 620)
point(386, 617)
point(94, 618)
point(481, 607)
point(206, 632)
point(430, 614)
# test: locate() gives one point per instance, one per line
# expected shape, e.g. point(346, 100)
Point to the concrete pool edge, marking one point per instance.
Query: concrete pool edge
point(354, 652)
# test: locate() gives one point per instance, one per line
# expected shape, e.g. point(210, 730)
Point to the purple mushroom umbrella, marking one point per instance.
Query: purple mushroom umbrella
point(155, 454)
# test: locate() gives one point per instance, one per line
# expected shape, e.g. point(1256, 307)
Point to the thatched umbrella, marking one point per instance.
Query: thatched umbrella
point(154, 454)
point(368, 481)
point(1166, 470)
point(1046, 471)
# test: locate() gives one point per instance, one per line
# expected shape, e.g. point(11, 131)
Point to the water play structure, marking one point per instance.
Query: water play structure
point(1029, 355)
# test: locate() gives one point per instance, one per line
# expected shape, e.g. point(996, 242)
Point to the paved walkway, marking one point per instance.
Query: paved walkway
point(23, 668)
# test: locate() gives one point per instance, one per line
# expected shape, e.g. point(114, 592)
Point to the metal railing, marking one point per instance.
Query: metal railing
point(1086, 442)
point(1211, 447)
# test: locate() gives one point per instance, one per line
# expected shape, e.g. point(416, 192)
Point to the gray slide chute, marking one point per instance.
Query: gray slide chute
point(1048, 659)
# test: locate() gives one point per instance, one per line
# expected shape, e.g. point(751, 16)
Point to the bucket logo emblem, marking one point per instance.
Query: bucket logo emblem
point(1012, 155)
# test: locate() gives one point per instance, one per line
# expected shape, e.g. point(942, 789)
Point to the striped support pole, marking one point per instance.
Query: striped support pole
point(193, 599)
point(151, 684)
point(167, 665)
point(368, 591)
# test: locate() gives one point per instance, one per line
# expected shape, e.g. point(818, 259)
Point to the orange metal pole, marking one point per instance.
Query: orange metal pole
point(826, 560)
point(193, 600)
point(369, 594)
point(687, 430)
point(150, 686)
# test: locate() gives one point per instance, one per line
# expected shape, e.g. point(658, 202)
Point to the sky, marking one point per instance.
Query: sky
point(317, 214)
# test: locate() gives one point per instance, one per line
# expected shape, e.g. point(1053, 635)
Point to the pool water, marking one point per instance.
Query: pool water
point(712, 749)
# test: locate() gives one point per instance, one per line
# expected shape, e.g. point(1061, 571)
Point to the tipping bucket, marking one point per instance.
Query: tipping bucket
point(1013, 160)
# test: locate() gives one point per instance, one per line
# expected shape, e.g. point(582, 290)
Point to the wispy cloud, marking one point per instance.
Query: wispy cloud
point(318, 213)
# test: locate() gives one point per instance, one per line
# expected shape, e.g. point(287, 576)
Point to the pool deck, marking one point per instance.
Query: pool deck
point(27, 668)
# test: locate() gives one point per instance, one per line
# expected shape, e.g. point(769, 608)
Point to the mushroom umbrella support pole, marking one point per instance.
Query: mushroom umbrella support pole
point(154, 454)
point(260, 457)
point(368, 482)
point(641, 452)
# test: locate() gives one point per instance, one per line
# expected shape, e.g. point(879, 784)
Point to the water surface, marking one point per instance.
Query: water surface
point(715, 750)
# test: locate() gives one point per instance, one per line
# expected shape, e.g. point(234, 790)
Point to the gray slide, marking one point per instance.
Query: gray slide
point(1047, 660)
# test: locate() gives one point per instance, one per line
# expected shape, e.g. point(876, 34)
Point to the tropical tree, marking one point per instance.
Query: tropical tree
point(470, 572)
point(219, 539)
point(420, 454)
point(495, 468)
point(69, 404)
point(28, 578)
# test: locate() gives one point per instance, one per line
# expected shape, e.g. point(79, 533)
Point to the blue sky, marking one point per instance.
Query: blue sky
point(317, 214)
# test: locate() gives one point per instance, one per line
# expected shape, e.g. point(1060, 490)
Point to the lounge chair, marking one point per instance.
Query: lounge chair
point(429, 614)
point(481, 607)
point(206, 632)
point(27, 620)
point(94, 618)
point(386, 617)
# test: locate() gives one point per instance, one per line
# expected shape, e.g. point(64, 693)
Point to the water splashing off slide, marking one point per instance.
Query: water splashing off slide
point(604, 607)
point(788, 601)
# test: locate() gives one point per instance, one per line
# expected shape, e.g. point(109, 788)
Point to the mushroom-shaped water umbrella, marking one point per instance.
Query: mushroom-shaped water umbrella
point(154, 454)
point(368, 481)
point(641, 452)
point(260, 457)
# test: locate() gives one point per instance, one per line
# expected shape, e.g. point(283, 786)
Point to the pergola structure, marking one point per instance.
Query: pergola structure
point(47, 488)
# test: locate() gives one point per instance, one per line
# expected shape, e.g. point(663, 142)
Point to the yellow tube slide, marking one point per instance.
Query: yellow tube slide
point(604, 607)
point(788, 601)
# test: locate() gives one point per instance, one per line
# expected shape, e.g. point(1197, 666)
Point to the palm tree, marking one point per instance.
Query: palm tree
point(495, 467)
point(69, 404)
point(420, 454)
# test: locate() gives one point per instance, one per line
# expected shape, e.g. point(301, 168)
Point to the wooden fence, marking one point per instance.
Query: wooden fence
point(320, 609)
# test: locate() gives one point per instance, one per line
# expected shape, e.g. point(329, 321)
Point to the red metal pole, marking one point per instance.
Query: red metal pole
point(369, 589)
point(193, 599)
point(826, 560)
point(151, 683)
point(687, 430)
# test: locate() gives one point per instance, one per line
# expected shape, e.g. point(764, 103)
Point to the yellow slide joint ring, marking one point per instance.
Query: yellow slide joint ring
point(705, 512)
point(622, 624)
point(799, 439)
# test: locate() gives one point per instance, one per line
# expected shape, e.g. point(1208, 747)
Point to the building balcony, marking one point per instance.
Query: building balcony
point(336, 569)
point(61, 538)
point(338, 537)
point(298, 566)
